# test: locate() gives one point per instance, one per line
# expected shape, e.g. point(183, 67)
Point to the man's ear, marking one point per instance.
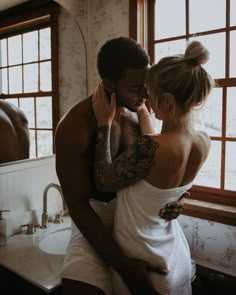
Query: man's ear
point(109, 86)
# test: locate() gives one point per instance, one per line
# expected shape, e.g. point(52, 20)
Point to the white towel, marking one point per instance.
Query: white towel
point(143, 234)
point(81, 262)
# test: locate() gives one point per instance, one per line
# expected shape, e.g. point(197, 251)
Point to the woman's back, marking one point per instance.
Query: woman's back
point(178, 158)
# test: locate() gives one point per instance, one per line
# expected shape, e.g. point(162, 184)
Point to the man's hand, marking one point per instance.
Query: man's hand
point(174, 209)
point(136, 276)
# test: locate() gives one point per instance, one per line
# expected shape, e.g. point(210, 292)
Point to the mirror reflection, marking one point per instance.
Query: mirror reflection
point(33, 59)
point(26, 77)
point(15, 141)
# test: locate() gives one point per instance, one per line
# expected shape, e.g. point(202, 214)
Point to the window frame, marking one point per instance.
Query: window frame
point(27, 17)
point(204, 202)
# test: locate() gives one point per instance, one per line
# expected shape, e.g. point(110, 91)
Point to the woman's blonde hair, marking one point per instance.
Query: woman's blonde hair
point(183, 76)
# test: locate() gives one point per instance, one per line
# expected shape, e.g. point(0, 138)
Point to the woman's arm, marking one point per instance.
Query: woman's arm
point(132, 165)
point(145, 120)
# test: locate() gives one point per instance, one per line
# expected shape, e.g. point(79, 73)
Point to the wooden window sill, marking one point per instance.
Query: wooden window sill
point(210, 211)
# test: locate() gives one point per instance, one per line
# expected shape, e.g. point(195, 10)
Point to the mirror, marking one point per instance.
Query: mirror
point(72, 74)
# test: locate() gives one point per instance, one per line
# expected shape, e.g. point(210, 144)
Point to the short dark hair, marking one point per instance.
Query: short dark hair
point(118, 54)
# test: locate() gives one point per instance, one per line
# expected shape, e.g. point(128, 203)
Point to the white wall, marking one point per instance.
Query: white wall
point(72, 62)
point(84, 26)
point(212, 244)
point(21, 191)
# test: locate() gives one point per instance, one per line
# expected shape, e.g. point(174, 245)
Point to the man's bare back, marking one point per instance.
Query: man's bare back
point(14, 133)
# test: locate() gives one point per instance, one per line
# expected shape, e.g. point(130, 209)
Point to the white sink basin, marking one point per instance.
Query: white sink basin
point(56, 242)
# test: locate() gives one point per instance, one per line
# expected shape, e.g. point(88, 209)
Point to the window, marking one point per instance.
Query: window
point(166, 27)
point(29, 69)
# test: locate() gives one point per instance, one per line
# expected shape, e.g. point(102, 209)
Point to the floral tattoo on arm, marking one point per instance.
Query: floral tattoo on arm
point(126, 169)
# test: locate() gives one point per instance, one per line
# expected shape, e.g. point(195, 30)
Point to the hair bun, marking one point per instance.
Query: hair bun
point(196, 53)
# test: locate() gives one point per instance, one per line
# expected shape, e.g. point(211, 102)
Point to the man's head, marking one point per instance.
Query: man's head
point(122, 65)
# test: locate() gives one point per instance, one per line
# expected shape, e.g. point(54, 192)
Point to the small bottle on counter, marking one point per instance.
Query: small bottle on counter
point(3, 229)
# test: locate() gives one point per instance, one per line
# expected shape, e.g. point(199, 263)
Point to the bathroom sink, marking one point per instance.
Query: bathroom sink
point(56, 242)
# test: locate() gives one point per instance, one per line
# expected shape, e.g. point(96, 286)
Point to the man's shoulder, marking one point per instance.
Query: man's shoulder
point(79, 113)
point(13, 113)
point(77, 127)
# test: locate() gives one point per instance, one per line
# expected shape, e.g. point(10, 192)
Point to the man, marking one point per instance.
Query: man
point(14, 133)
point(122, 64)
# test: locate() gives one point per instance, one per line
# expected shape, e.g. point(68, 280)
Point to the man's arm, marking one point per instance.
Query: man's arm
point(74, 179)
point(73, 170)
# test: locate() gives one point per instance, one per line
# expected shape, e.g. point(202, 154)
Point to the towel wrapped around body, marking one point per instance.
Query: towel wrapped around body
point(143, 234)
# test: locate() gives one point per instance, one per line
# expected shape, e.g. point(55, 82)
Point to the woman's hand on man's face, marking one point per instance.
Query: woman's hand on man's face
point(104, 107)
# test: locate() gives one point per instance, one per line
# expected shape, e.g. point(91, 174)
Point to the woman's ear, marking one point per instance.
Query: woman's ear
point(169, 104)
point(109, 86)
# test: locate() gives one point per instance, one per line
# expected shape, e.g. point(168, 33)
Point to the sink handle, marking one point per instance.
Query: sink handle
point(30, 228)
point(58, 217)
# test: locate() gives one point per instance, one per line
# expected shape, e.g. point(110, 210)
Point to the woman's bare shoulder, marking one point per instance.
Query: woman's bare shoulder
point(203, 140)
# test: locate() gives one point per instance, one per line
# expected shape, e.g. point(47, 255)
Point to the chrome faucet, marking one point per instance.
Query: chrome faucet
point(45, 193)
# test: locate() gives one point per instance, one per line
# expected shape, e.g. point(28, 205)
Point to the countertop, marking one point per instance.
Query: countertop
point(23, 256)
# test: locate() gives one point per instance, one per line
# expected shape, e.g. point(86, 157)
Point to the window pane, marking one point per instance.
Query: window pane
point(233, 13)
point(13, 101)
point(3, 84)
point(169, 18)
point(14, 50)
point(209, 117)
point(44, 143)
point(232, 64)
point(44, 108)
point(231, 112)
point(3, 53)
point(169, 48)
point(30, 46)
point(206, 15)
point(27, 106)
point(45, 76)
point(45, 43)
point(31, 78)
point(32, 144)
point(209, 174)
point(15, 79)
point(215, 43)
point(230, 166)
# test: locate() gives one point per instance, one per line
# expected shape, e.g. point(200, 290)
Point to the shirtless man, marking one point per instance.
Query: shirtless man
point(14, 133)
point(122, 64)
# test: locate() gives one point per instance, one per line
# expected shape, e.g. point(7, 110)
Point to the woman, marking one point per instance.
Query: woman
point(157, 168)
